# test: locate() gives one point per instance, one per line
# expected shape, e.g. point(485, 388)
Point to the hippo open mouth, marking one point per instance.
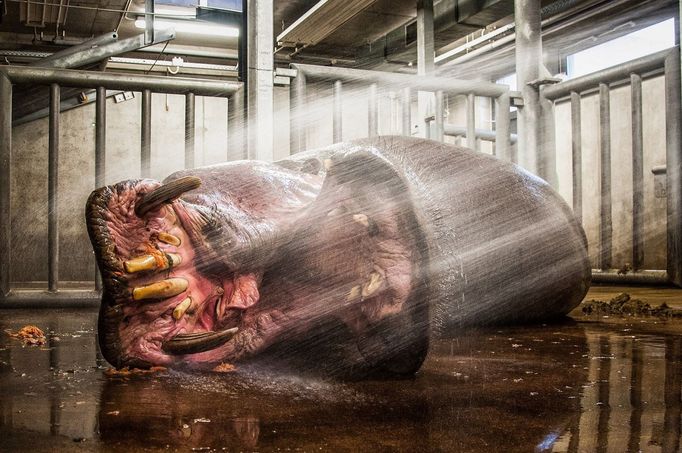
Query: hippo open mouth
point(389, 237)
point(219, 265)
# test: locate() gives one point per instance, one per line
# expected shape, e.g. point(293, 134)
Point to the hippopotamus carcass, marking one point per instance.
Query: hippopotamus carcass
point(396, 239)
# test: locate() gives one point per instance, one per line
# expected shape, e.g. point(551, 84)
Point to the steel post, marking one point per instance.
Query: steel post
point(260, 76)
point(189, 130)
point(236, 127)
point(502, 135)
point(439, 116)
point(100, 152)
point(337, 134)
point(297, 101)
point(52, 191)
point(407, 111)
point(149, 21)
point(372, 111)
point(528, 69)
point(673, 166)
point(605, 214)
point(577, 155)
point(637, 173)
point(425, 62)
point(471, 121)
point(5, 186)
point(146, 134)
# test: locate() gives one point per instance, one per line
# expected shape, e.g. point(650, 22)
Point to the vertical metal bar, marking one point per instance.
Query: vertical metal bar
point(528, 63)
point(100, 152)
point(471, 121)
point(297, 100)
point(236, 126)
point(425, 62)
point(502, 148)
point(637, 173)
point(52, 195)
point(260, 89)
point(338, 112)
point(5, 179)
point(440, 108)
point(407, 111)
point(673, 166)
point(373, 111)
point(149, 21)
point(146, 137)
point(189, 130)
point(606, 228)
point(577, 155)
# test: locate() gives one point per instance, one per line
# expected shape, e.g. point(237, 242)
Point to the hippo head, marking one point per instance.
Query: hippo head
point(221, 264)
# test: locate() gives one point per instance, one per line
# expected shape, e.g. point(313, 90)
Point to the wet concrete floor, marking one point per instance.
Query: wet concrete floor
point(586, 384)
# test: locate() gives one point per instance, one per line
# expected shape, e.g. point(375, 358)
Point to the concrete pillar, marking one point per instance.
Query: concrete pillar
point(260, 76)
point(425, 61)
point(535, 142)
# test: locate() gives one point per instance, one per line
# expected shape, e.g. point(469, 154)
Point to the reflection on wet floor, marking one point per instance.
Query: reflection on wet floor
point(574, 387)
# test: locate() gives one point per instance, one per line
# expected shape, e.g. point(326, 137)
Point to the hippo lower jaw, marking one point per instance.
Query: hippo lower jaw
point(179, 289)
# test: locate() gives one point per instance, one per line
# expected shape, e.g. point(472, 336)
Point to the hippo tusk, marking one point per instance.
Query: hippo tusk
point(169, 239)
point(165, 193)
point(181, 308)
point(197, 342)
point(165, 288)
point(151, 262)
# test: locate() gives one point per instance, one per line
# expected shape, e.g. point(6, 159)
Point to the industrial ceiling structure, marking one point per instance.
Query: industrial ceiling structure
point(374, 34)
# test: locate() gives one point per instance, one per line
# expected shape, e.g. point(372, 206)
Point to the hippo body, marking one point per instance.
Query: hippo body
point(395, 239)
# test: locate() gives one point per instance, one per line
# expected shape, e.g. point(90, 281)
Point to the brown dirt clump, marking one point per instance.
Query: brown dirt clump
point(624, 305)
point(30, 335)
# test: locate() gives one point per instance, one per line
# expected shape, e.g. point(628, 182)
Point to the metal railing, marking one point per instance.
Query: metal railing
point(55, 78)
point(409, 84)
point(632, 73)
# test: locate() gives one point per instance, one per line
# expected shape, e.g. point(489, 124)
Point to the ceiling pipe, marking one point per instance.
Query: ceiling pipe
point(56, 60)
point(99, 53)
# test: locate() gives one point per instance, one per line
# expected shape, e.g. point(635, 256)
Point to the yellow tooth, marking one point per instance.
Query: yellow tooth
point(362, 219)
point(165, 288)
point(181, 308)
point(141, 263)
point(150, 262)
point(375, 281)
point(328, 164)
point(354, 293)
point(174, 259)
point(169, 239)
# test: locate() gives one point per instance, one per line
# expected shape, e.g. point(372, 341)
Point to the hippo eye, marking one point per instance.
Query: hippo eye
point(337, 211)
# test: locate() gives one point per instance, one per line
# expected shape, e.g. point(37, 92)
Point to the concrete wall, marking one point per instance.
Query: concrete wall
point(77, 166)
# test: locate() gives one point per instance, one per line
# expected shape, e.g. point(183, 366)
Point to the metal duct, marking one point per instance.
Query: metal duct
point(320, 21)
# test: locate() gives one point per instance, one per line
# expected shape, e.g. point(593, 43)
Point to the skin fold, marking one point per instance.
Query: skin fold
point(378, 244)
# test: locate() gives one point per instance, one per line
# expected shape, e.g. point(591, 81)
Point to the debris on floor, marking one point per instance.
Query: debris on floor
point(624, 305)
point(29, 335)
point(128, 372)
point(224, 368)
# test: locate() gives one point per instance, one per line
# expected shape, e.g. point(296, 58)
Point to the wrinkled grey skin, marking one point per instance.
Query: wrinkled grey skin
point(489, 243)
